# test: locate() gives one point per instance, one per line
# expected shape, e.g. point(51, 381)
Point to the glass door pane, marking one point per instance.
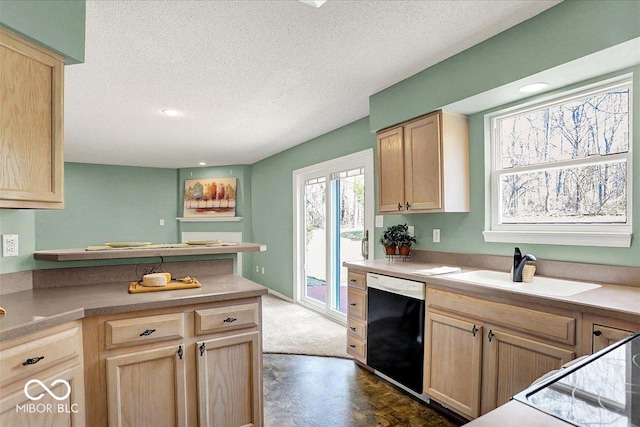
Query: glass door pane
point(315, 239)
point(349, 231)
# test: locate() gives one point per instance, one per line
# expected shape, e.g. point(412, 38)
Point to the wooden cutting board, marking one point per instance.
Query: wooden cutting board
point(135, 287)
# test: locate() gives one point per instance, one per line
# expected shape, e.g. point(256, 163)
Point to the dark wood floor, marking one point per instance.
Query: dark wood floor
point(308, 391)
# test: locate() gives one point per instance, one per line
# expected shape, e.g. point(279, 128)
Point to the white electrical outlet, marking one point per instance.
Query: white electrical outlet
point(436, 235)
point(162, 222)
point(411, 230)
point(257, 269)
point(262, 270)
point(379, 221)
point(9, 245)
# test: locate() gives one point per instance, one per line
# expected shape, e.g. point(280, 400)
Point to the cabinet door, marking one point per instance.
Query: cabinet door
point(453, 363)
point(31, 131)
point(514, 363)
point(147, 388)
point(603, 336)
point(391, 184)
point(423, 164)
point(230, 381)
point(61, 404)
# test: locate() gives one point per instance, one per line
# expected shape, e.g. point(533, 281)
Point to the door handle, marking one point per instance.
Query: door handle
point(364, 245)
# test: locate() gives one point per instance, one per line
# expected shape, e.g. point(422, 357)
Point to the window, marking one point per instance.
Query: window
point(561, 171)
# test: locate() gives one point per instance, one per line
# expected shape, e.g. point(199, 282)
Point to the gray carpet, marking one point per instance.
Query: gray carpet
point(292, 329)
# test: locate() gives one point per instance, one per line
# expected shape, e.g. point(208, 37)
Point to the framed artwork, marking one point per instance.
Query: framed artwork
point(210, 198)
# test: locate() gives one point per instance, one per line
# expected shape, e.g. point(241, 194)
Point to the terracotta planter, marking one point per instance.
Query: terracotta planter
point(404, 250)
point(390, 250)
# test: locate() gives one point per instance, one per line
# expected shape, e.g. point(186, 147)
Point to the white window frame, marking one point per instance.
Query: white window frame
point(609, 235)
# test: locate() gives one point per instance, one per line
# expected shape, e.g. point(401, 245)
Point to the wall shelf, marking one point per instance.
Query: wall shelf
point(221, 219)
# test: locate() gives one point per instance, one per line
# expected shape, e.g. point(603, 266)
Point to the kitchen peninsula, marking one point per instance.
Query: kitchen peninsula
point(134, 356)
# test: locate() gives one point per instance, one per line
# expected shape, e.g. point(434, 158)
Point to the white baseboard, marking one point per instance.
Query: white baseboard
point(279, 295)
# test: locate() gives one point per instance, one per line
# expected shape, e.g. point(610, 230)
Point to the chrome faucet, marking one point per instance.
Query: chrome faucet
point(519, 261)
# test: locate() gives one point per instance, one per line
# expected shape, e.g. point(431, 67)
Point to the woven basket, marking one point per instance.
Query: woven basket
point(528, 272)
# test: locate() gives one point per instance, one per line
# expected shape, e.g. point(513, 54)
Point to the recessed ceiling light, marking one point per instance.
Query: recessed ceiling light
point(314, 3)
point(170, 112)
point(534, 87)
point(202, 164)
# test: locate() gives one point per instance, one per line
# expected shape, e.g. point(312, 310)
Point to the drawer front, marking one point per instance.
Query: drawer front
point(229, 318)
point(356, 328)
point(34, 356)
point(141, 330)
point(538, 323)
point(357, 280)
point(357, 348)
point(357, 304)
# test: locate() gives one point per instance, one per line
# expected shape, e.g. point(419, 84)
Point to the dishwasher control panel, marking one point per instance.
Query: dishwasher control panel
point(395, 285)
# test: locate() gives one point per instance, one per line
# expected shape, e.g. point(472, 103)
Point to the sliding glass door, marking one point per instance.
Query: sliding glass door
point(334, 213)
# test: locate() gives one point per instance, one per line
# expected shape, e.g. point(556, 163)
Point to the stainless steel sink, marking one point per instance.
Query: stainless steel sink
point(539, 285)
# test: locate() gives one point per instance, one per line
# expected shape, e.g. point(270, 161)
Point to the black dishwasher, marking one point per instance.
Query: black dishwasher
point(395, 329)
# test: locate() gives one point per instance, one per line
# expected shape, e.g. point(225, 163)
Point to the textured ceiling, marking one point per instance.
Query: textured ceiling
point(251, 78)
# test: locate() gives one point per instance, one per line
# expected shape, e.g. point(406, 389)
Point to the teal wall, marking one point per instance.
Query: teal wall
point(243, 203)
point(102, 204)
point(22, 223)
point(110, 204)
point(272, 198)
point(117, 203)
point(56, 24)
point(99, 198)
point(566, 32)
point(562, 34)
point(462, 232)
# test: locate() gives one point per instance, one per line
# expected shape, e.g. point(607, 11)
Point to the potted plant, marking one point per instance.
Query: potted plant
point(395, 237)
point(405, 240)
point(389, 238)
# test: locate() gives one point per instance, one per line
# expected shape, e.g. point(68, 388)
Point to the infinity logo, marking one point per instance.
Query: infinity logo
point(47, 389)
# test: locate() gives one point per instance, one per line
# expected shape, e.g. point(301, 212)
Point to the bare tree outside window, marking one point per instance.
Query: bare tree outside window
point(566, 162)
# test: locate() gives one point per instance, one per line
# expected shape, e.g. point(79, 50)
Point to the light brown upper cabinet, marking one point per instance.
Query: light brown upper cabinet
point(423, 165)
point(31, 125)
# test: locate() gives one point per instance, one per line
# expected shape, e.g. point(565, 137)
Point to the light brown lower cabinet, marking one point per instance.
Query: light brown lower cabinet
point(453, 363)
point(600, 332)
point(474, 362)
point(193, 366)
point(147, 388)
point(229, 381)
point(61, 406)
point(42, 379)
point(357, 316)
point(514, 362)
